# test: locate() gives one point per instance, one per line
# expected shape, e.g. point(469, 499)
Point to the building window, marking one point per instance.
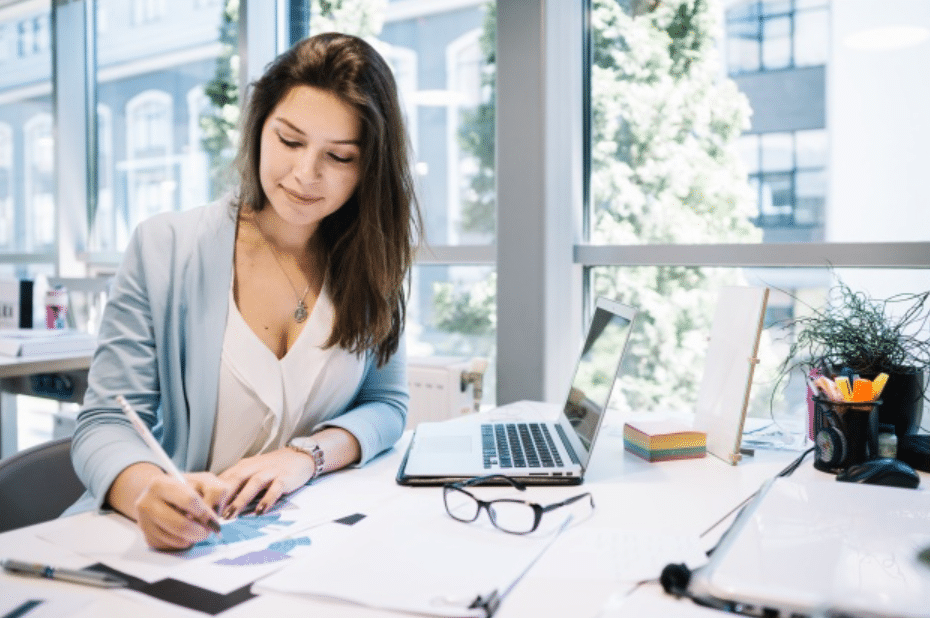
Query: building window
point(33, 36)
point(147, 11)
point(7, 216)
point(150, 183)
point(787, 172)
point(778, 34)
point(40, 182)
point(471, 207)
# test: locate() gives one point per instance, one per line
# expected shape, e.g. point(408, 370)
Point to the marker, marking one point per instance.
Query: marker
point(845, 387)
point(829, 387)
point(160, 454)
point(878, 384)
point(88, 578)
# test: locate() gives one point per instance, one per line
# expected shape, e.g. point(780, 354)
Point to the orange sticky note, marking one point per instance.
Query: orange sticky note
point(862, 390)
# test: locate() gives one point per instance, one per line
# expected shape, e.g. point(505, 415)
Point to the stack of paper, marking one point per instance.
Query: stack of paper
point(661, 440)
point(36, 342)
point(412, 557)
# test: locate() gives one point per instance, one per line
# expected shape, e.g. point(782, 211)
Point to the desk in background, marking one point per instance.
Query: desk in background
point(58, 377)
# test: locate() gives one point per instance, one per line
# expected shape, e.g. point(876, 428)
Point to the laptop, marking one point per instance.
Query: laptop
point(822, 548)
point(544, 452)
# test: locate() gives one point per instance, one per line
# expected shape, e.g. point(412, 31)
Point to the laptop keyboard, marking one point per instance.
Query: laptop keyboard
point(518, 445)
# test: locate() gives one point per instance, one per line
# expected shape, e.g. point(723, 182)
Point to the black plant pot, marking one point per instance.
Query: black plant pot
point(903, 402)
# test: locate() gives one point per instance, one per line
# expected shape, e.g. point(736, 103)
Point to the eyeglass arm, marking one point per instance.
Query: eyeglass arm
point(552, 507)
point(490, 478)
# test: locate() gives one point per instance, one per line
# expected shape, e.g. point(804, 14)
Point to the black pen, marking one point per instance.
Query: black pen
point(88, 578)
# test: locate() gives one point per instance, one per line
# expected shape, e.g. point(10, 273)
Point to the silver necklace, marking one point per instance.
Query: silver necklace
point(300, 312)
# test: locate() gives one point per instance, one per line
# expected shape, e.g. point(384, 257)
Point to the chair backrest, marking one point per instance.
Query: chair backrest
point(37, 484)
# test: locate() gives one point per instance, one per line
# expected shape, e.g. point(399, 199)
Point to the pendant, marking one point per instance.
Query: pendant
point(300, 313)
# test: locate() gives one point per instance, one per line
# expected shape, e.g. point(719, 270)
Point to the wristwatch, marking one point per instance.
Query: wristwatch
point(310, 447)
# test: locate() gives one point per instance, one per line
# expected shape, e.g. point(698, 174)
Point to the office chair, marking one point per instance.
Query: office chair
point(37, 484)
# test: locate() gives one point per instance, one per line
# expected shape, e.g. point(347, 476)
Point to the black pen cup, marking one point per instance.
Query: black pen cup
point(845, 433)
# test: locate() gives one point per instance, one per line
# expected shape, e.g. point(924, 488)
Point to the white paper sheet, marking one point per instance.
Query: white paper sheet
point(218, 565)
point(615, 555)
point(453, 562)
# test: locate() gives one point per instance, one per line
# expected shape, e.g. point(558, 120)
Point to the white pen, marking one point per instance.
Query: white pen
point(89, 578)
point(160, 454)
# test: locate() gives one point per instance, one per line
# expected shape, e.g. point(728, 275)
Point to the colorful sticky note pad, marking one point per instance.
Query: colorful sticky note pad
point(663, 440)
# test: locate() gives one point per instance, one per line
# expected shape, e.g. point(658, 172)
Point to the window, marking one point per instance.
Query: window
point(440, 57)
point(676, 196)
point(105, 215)
point(673, 165)
point(787, 173)
point(27, 140)
point(150, 178)
point(39, 182)
point(776, 34)
point(162, 146)
point(146, 11)
point(7, 218)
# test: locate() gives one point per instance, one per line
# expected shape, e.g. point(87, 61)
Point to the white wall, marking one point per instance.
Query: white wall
point(877, 102)
point(878, 94)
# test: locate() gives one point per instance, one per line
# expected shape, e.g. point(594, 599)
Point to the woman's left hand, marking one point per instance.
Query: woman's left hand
point(275, 473)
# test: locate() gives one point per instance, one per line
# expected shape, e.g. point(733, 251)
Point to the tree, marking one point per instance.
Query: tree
point(665, 169)
point(219, 123)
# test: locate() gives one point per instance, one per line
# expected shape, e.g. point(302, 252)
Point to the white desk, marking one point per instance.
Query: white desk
point(672, 497)
point(61, 377)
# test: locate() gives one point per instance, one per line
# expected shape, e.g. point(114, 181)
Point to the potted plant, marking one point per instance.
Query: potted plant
point(857, 334)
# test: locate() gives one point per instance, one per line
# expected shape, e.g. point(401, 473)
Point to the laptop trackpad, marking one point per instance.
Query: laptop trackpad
point(448, 445)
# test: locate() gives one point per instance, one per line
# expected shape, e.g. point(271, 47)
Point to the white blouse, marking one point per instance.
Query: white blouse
point(265, 401)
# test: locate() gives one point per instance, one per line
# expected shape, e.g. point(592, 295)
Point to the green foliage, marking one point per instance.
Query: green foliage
point(471, 311)
point(219, 124)
point(867, 335)
point(476, 137)
point(665, 169)
point(364, 18)
point(468, 315)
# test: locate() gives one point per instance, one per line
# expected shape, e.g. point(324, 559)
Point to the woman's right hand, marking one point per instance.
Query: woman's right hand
point(172, 515)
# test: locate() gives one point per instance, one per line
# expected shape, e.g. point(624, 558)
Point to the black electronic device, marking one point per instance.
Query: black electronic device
point(914, 450)
point(882, 471)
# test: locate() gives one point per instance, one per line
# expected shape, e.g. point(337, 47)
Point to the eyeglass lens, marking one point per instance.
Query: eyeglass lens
point(509, 515)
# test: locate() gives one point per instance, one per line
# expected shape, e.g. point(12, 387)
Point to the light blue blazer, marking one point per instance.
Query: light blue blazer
point(160, 343)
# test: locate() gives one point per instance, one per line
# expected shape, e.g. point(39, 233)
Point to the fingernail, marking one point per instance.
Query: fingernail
point(260, 509)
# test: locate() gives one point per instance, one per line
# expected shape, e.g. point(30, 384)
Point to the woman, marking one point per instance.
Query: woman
point(261, 336)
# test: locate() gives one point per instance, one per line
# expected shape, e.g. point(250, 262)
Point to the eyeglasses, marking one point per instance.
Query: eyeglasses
point(507, 514)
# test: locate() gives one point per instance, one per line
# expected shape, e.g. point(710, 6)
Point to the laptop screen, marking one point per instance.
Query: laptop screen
point(597, 370)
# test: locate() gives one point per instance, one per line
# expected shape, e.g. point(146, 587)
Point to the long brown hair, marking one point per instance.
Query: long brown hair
point(370, 242)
